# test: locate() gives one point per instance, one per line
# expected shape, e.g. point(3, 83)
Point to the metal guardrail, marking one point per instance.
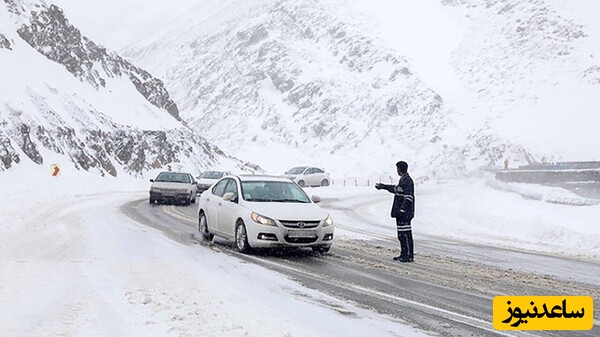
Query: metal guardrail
point(552, 173)
point(574, 165)
point(548, 177)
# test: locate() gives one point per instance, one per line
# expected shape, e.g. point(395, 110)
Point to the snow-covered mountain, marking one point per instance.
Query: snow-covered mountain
point(533, 66)
point(66, 98)
point(317, 80)
point(354, 85)
point(302, 77)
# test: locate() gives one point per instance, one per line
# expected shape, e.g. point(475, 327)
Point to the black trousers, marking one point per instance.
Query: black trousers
point(406, 239)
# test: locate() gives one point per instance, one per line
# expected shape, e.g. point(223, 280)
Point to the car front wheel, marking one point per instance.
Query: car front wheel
point(325, 182)
point(301, 183)
point(241, 238)
point(203, 228)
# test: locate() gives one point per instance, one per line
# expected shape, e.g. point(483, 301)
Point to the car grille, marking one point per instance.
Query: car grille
point(174, 191)
point(300, 240)
point(299, 224)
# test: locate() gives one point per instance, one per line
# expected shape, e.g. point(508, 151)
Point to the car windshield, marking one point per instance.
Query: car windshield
point(173, 177)
point(297, 170)
point(273, 191)
point(211, 175)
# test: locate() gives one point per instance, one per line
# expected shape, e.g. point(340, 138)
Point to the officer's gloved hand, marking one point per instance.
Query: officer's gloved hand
point(378, 186)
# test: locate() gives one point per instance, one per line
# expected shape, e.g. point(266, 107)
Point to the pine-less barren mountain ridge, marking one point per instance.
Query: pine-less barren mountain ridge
point(285, 82)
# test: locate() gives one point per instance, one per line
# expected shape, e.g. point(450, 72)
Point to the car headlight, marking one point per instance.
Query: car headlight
point(328, 221)
point(263, 220)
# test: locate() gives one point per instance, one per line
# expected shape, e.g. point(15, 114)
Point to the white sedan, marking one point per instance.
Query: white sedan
point(263, 211)
point(308, 176)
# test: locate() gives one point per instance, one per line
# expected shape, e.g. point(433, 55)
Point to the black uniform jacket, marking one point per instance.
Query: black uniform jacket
point(403, 207)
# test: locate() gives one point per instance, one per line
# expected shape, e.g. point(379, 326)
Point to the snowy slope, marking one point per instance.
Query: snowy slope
point(536, 66)
point(506, 79)
point(530, 68)
point(449, 86)
point(63, 94)
point(305, 79)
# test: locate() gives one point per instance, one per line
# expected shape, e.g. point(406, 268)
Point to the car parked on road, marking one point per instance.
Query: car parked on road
point(308, 176)
point(176, 187)
point(263, 211)
point(207, 178)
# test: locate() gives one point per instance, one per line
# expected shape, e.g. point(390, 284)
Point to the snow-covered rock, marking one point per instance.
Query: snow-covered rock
point(51, 34)
point(63, 94)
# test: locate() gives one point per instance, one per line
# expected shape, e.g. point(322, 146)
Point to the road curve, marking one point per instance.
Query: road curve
point(444, 293)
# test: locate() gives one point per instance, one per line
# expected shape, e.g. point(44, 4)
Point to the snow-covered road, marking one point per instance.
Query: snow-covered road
point(447, 291)
point(76, 266)
point(355, 215)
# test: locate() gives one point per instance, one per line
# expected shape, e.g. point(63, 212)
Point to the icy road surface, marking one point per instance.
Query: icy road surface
point(448, 289)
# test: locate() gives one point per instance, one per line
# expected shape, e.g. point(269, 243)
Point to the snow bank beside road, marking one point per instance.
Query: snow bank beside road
point(472, 211)
point(550, 194)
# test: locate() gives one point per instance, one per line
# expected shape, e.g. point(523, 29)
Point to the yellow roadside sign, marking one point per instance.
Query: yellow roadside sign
point(55, 170)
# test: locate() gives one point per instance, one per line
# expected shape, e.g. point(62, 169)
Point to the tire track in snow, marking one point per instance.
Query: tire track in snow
point(423, 293)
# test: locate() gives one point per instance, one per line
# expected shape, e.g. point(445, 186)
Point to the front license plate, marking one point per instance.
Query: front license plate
point(302, 234)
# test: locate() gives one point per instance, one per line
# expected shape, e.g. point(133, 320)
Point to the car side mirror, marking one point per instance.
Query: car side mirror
point(315, 199)
point(151, 180)
point(229, 196)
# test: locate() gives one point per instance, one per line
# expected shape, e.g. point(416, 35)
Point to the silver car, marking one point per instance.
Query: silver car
point(308, 176)
point(175, 187)
point(207, 178)
point(263, 211)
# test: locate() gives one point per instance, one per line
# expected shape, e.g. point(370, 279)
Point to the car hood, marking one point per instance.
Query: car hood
point(288, 210)
point(170, 185)
point(205, 181)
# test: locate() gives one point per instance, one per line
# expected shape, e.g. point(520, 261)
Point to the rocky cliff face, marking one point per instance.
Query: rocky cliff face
point(8, 155)
point(4, 42)
point(51, 34)
point(132, 150)
point(63, 94)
